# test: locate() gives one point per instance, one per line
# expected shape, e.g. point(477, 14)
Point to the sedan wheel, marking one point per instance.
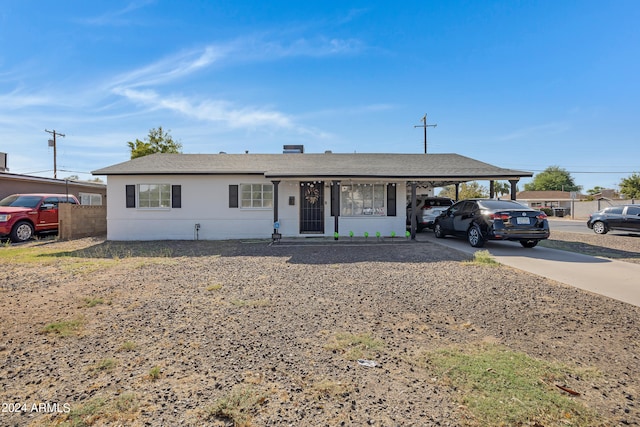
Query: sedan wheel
point(475, 238)
point(22, 232)
point(528, 243)
point(437, 230)
point(599, 227)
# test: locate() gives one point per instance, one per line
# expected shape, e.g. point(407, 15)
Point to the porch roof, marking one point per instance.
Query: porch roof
point(431, 169)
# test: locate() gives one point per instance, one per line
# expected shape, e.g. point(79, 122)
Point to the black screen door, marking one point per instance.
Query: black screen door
point(311, 207)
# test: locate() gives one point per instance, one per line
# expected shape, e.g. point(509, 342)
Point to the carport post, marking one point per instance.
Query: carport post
point(513, 188)
point(414, 219)
point(276, 231)
point(492, 190)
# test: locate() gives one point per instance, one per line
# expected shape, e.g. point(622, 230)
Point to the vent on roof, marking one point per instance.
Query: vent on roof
point(293, 149)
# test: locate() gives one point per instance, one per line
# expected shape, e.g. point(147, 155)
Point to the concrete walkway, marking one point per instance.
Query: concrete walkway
point(615, 279)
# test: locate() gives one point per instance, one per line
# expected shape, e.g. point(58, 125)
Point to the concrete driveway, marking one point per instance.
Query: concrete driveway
point(615, 279)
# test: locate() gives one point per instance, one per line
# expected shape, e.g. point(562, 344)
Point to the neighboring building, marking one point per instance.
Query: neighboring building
point(231, 196)
point(560, 202)
point(89, 193)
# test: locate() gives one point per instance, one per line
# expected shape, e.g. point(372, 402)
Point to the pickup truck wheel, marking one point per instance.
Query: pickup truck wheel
point(21, 232)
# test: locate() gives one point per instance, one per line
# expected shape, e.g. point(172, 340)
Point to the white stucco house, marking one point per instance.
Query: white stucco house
point(234, 196)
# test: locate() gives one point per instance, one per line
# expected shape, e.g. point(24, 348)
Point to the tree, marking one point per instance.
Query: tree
point(501, 188)
point(467, 190)
point(552, 178)
point(630, 186)
point(157, 142)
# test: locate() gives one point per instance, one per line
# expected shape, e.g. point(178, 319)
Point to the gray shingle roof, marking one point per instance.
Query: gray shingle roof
point(421, 167)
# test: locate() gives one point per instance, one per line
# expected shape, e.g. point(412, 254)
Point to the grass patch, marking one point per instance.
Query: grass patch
point(238, 405)
point(353, 347)
point(214, 287)
point(100, 411)
point(483, 257)
point(93, 301)
point(497, 386)
point(330, 389)
point(105, 365)
point(64, 328)
point(250, 303)
point(127, 346)
point(154, 373)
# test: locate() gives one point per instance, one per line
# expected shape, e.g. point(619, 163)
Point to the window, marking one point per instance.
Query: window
point(362, 199)
point(91, 199)
point(633, 210)
point(256, 195)
point(154, 195)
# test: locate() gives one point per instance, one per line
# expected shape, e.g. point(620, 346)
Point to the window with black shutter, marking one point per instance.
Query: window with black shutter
point(176, 196)
point(131, 196)
point(391, 200)
point(233, 196)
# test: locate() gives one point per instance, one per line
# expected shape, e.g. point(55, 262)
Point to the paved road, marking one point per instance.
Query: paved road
point(615, 279)
point(570, 225)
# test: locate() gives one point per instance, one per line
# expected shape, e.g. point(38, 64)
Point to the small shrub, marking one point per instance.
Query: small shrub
point(214, 287)
point(355, 347)
point(238, 406)
point(483, 257)
point(154, 373)
point(105, 365)
point(92, 302)
point(127, 346)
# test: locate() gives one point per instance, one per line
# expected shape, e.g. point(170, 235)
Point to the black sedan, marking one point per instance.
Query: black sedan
point(623, 218)
point(480, 220)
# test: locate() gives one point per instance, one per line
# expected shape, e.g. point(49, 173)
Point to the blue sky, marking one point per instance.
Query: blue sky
point(518, 84)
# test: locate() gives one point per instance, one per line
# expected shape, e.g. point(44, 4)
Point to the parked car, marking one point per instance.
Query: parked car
point(480, 220)
point(428, 209)
point(24, 215)
point(623, 218)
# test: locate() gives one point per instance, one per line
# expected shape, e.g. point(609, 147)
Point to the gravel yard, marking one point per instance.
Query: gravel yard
point(171, 333)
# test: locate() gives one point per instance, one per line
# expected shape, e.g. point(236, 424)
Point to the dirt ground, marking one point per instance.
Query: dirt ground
point(161, 332)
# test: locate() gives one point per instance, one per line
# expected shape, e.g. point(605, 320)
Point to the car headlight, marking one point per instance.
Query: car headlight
point(4, 217)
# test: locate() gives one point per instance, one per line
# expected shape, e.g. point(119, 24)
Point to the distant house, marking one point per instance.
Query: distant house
point(89, 193)
point(231, 196)
point(554, 200)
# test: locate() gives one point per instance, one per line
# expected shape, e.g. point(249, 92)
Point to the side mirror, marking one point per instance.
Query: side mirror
point(46, 206)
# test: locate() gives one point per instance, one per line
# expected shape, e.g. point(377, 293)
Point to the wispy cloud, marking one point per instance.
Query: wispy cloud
point(142, 86)
point(544, 129)
point(169, 69)
point(117, 17)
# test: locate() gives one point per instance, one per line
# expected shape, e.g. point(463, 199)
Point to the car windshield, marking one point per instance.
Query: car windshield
point(501, 204)
point(21, 201)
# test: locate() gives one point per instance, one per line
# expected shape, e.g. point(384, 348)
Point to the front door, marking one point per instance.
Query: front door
point(312, 207)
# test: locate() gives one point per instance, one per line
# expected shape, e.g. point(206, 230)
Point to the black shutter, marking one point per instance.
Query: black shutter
point(176, 196)
point(131, 196)
point(233, 196)
point(391, 200)
point(335, 199)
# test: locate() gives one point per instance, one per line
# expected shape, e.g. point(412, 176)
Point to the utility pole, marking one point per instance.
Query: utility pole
point(52, 143)
point(425, 126)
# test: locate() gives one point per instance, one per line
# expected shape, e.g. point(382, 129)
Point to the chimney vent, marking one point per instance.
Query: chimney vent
point(293, 149)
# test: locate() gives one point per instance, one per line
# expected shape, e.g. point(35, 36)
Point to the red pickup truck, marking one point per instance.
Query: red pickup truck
point(23, 215)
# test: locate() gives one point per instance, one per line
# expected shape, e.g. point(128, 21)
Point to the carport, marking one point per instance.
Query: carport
point(492, 176)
